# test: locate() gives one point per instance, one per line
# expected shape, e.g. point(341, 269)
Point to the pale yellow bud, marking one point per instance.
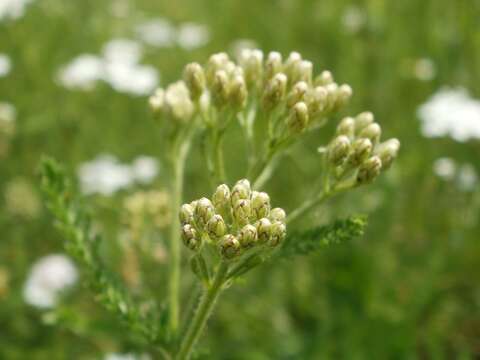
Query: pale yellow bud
point(273, 64)
point(241, 190)
point(221, 196)
point(278, 214)
point(388, 151)
point(324, 78)
point(263, 230)
point(238, 92)
point(242, 211)
point(298, 118)
point(371, 132)
point(275, 91)
point(194, 77)
point(346, 127)
point(216, 227)
point(248, 236)
point(260, 204)
point(278, 231)
point(157, 100)
point(297, 93)
point(362, 120)
point(190, 237)
point(338, 150)
point(204, 211)
point(230, 247)
point(186, 214)
point(220, 88)
point(361, 150)
point(369, 170)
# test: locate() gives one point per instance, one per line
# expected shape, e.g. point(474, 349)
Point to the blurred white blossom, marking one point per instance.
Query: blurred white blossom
point(12, 9)
point(445, 168)
point(451, 112)
point(191, 36)
point(47, 278)
point(239, 45)
point(82, 72)
point(106, 175)
point(118, 66)
point(467, 179)
point(464, 176)
point(145, 169)
point(424, 69)
point(5, 64)
point(157, 32)
point(8, 115)
point(354, 18)
point(118, 356)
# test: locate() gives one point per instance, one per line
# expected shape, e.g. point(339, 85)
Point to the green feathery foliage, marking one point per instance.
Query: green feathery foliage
point(311, 240)
point(83, 245)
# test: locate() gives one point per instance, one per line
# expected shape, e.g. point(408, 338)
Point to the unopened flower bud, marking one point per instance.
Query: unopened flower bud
point(216, 227)
point(219, 90)
point(278, 231)
point(194, 77)
point(186, 214)
point(275, 91)
point(278, 214)
point(298, 118)
point(260, 204)
point(294, 58)
point(388, 151)
point(190, 237)
point(344, 94)
point(302, 71)
point(369, 170)
point(361, 150)
point(263, 230)
point(242, 210)
point(157, 100)
point(230, 246)
point(238, 92)
point(338, 150)
point(346, 127)
point(241, 190)
point(178, 102)
point(317, 100)
point(248, 236)
point(273, 64)
point(332, 93)
point(362, 120)
point(252, 63)
point(297, 93)
point(324, 78)
point(372, 132)
point(204, 211)
point(215, 62)
point(221, 196)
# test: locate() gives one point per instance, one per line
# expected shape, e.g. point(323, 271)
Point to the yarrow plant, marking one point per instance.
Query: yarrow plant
point(275, 101)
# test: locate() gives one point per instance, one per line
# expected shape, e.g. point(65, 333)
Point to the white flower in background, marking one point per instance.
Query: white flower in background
point(424, 69)
point(118, 356)
point(12, 9)
point(191, 36)
point(48, 277)
point(451, 112)
point(5, 64)
point(8, 115)
point(354, 18)
point(132, 79)
point(464, 175)
point(122, 51)
point(157, 32)
point(82, 72)
point(104, 175)
point(445, 168)
point(145, 169)
point(239, 45)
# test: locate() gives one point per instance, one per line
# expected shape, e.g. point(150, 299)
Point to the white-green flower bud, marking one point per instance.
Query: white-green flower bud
point(275, 91)
point(344, 93)
point(230, 246)
point(238, 92)
point(220, 88)
point(372, 132)
point(369, 170)
point(273, 64)
point(263, 230)
point(252, 63)
point(278, 231)
point(241, 190)
point(178, 102)
point(221, 196)
point(186, 214)
point(332, 93)
point(298, 118)
point(204, 211)
point(302, 71)
point(248, 236)
point(157, 100)
point(216, 227)
point(362, 120)
point(260, 204)
point(338, 150)
point(324, 78)
point(278, 214)
point(242, 211)
point(346, 127)
point(361, 150)
point(388, 151)
point(317, 100)
point(215, 62)
point(194, 77)
point(294, 58)
point(190, 237)
point(297, 93)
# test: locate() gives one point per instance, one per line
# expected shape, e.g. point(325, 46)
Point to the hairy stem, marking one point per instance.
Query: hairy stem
point(178, 166)
point(207, 302)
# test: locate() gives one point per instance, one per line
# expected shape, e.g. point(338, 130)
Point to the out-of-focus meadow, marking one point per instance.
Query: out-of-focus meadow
point(74, 82)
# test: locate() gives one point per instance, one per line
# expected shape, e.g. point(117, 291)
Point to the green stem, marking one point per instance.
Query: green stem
point(178, 166)
point(219, 161)
point(203, 312)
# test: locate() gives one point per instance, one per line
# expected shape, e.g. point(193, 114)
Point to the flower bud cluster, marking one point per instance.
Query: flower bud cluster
point(357, 147)
point(234, 220)
point(287, 86)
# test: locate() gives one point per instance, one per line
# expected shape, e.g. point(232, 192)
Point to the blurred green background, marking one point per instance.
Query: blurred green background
point(408, 289)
